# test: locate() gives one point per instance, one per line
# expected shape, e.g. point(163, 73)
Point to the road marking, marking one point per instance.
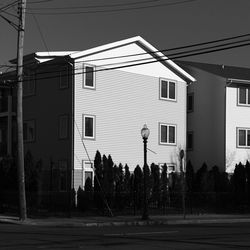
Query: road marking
point(141, 233)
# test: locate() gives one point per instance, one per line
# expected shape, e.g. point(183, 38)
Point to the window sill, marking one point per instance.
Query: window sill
point(167, 144)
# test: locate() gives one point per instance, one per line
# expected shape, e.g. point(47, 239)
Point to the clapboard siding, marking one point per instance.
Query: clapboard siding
point(122, 103)
point(236, 116)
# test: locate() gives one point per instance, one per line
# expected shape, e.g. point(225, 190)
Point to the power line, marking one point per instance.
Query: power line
point(6, 7)
point(94, 6)
point(173, 56)
point(40, 32)
point(41, 1)
point(113, 10)
point(148, 62)
point(143, 61)
point(162, 50)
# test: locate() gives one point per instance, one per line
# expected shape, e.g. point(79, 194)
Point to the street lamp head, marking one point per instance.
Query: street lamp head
point(145, 132)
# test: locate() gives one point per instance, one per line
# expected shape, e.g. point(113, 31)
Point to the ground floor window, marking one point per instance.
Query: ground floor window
point(243, 137)
point(89, 127)
point(88, 172)
point(167, 134)
point(29, 131)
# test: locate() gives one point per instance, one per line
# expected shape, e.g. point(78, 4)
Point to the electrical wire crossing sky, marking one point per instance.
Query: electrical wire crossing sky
point(61, 25)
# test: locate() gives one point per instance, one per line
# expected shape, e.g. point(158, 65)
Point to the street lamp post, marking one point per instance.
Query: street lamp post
point(145, 134)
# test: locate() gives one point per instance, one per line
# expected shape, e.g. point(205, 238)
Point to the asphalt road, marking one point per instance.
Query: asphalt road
point(209, 236)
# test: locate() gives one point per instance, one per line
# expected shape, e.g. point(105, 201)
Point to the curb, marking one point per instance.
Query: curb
point(126, 223)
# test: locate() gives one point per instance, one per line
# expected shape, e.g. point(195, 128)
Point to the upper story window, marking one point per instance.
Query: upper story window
point(63, 126)
point(29, 85)
point(190, 102)
point(89, 76)
point(29, 131)
point(190, 140)
point(167, 90)
point(64, 77)
point(244, 96)
point(167, 134)
point(243, 137)
point(88, 127)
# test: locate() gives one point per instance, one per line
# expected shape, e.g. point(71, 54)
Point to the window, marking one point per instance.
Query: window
point(167, 134)
point(29, 85)
point(243, 137)
point(190, 102)
point(88, 171)
point(244, 96)
point(29, 131)
point(171, 167)
point(62, 167)
point(190, 141)
point(64, 78)
point(88, 77)
point(88, 127)
point(167, 90)
point(63, 127)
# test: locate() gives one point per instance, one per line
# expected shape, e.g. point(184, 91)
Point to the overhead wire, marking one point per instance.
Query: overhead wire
point(161, 50)
point(144, 61)
point(9, 5)
point(40, 32)
point(112, 10)
point(4, 10)
point(172, 56)
point(94, 6)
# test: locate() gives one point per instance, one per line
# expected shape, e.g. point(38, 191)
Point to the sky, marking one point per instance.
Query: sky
point(166, 24)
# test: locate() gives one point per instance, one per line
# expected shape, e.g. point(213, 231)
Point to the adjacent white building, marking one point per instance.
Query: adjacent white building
point(218, 129)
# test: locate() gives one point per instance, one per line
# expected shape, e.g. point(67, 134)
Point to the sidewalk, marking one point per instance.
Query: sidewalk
point(127, 220)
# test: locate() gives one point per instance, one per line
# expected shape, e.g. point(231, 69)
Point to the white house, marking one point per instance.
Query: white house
point(99, 99)
point(218, 115)
point(111, 106)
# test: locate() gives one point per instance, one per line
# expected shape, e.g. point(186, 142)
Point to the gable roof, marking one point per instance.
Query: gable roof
point(228, 72)
point(148, 49)
point(43, 57)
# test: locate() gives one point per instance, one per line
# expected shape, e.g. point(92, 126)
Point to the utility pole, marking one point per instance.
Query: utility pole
point(20, 150)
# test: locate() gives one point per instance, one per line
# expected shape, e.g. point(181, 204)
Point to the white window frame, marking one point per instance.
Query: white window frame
point(84, 77)
point(243, 104)
point(238, 138)
point(168, 98)
point(168, 165)
point(28, 122)
point(87, 169)
point(167, 125)
point(83, 126)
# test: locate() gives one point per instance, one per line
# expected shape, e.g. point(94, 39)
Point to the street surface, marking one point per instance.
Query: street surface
point(204, 236)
